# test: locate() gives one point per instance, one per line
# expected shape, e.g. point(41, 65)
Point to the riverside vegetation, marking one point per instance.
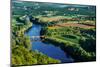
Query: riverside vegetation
point(21, 47)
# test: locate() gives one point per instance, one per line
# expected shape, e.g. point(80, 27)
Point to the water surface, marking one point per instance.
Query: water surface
point(46, 48)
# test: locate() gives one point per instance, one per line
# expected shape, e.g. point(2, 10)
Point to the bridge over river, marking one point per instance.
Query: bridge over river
point(37, 38)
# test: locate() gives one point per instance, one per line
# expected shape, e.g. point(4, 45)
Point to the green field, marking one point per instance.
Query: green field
point(81, 42)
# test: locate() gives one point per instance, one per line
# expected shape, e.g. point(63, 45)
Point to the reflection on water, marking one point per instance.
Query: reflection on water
point(48, 49)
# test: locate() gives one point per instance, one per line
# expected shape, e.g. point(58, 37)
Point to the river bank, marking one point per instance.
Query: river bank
point(46, 48)
point(71, 42)
point(21, 48)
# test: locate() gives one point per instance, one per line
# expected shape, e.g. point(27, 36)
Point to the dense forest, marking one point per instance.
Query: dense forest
point(70, 27)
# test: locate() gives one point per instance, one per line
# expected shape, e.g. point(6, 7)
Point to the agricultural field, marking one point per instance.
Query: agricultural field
point(51, 33)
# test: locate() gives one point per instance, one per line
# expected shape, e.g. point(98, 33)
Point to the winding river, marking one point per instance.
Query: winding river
point(46, 48)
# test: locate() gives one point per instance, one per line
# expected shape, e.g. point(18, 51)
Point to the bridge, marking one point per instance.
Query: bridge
point(37, 38)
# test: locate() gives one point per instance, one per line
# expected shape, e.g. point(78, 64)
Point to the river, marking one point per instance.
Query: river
point(46, 48)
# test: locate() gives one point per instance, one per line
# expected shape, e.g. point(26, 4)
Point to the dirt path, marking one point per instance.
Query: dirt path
point(72, 25)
